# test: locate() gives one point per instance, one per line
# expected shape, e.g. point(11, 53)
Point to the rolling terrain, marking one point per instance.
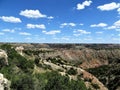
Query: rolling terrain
point(67, 66)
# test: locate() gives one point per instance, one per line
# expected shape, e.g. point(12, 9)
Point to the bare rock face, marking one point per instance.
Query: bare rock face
point(20, 50)
point(4, 56)
point(4, 83)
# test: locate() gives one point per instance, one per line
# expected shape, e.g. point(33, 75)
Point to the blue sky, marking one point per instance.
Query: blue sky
point(60, 21)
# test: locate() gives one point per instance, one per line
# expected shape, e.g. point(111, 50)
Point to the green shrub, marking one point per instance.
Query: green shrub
point(19, 72)
point(72, 71)
point(2, 62)
point(37, 61)
point(57, 82)
point(79, 76)
point(25, 82)
point(88, 79)
point(95, 86)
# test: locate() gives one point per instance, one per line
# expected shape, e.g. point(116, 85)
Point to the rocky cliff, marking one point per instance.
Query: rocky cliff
point(97, 65)
point(4, 83)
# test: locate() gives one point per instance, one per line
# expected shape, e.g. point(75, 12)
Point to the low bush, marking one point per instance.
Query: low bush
point(72, 71)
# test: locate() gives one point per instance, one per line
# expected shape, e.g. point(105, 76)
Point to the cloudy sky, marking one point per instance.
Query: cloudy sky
point(60, 21)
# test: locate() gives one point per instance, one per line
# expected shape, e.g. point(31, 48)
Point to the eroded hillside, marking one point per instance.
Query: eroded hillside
point(77, 63)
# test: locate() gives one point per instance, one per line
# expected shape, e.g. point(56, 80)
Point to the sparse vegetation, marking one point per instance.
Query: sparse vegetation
point(106, 73)
point(21, 70)
point(18, 72)
point(57, 60)
point(59, 82)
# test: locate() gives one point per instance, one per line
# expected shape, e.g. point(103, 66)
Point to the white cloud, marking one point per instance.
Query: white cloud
point(118, 30)
point(119, 35)
point(99, 25)
point(99, 32)
point(32, 14)
point(80, 6)
point(118, 10)
point(52, 32)
point(87, 3)
point(50, 17)
point(81, 24)
point(116, 25)
point(111, 27)
point(83, 5)
point(1, 33)
point(40, 26)
point(64, 24)
point(72, 24)
point(80, 32)
point(25, 33)
point(9, 30)
point(109, 6)
point(10, 19)
point(67, 24)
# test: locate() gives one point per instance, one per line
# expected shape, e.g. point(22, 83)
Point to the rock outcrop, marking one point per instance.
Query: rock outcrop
point(61, 58)
point(20, 50)
point(4, 56)
point(4, 83)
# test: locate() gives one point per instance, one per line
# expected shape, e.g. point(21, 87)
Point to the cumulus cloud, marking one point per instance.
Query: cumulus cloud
point(32, 14)
point(10, 19)
point(52, 32)
point(25, 33)
point(111, 27)
point(9, 30)
point(99, 25)
point(116, 25)
point(67, 24)
point(72, 24)
point(40, 26)
point(109, 6)
point(80, 32)
point(83, 5)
